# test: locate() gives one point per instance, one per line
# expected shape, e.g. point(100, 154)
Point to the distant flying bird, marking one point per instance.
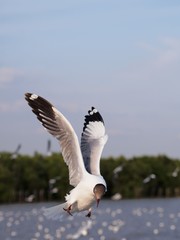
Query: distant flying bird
point(49, 148)
point(149, 178)
point(16, 152)
point(175, 172)
point(83, 160)
point(30, 198)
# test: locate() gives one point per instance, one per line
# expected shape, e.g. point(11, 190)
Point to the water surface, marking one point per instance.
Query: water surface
point(145, 219)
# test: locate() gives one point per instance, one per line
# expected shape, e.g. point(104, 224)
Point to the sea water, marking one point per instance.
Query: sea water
point(141, 219)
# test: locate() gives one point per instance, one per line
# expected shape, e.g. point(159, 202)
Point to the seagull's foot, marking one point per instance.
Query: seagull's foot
point(68, 210)
point(89, 213)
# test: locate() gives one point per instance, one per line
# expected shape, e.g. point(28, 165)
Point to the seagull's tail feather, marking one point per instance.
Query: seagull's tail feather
point(55, 213)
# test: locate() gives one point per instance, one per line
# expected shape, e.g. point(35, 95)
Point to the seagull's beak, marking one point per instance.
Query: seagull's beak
point(99, 191)
point(97, 201)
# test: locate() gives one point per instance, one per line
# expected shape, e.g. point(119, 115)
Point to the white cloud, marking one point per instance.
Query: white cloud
point(160, 64)
point(8, 74)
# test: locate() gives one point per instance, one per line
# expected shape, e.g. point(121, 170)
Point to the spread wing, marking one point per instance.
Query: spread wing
point(57, 125)
point(93, 140)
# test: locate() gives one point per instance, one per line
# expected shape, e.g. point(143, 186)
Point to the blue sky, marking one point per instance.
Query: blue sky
point(122, 57)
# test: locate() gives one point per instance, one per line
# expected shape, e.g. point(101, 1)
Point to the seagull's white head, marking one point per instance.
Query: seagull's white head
point(99, 190)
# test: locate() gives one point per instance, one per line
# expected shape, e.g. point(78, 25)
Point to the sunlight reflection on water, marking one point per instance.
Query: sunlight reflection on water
point(113, 220)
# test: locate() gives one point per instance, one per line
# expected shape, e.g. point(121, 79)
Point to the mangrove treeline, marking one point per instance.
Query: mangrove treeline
point(42, 178)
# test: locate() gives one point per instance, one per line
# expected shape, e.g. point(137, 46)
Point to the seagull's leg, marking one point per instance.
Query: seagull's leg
point(89, 213)
point(68, 210)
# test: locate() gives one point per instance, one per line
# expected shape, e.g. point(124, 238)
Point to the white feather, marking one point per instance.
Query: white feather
point(56, 212)
point(93, 140)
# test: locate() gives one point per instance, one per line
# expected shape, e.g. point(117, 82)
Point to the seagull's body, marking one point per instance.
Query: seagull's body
point(83, 161)
point(82, 196)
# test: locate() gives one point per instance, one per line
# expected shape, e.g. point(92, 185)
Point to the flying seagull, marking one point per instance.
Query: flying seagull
point(83, 160)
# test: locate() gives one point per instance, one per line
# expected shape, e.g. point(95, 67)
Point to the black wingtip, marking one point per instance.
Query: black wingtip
point(92, 108)
point(93, 116)
point(41, 108)
point(27, 95)
point(31, 95)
